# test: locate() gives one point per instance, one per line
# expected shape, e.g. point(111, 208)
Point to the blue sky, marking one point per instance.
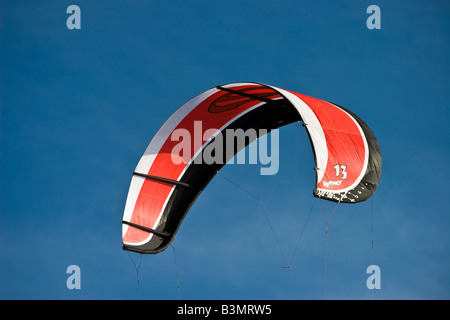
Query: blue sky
point(78, 108)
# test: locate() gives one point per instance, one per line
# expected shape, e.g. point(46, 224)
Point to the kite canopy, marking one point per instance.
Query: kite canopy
point(347, 155)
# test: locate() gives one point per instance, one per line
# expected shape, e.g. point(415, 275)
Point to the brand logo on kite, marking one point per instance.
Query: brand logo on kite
point(332, 183)
point(231, 100)
point(213, 146)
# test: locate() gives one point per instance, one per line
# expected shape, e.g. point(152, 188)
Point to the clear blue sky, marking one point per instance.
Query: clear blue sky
point(78, 108)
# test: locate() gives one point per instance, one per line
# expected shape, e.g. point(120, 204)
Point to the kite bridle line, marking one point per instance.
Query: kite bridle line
point(137, 267)
point(327, 220)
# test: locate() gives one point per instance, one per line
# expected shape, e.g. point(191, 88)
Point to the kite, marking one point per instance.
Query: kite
point(167, 181)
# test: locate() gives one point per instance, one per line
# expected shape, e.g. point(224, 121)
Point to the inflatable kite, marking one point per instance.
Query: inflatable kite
point(165, 184)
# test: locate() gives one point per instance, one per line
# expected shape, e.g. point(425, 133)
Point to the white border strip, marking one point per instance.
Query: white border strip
point(314, 128)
